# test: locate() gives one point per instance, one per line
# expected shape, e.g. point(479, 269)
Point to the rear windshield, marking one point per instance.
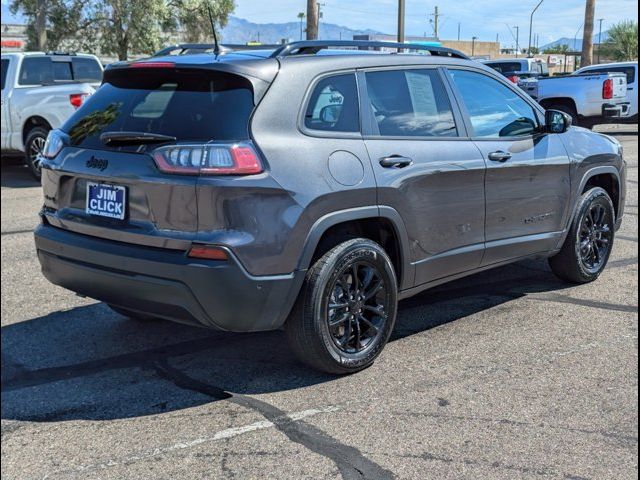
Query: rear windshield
point(194, 105)
point(43, 70)
point(506, 67)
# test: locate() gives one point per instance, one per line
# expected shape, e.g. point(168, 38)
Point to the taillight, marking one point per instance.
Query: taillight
point(208, 159)
point(607, 89)
point(55, 142)
point(514, 79)
point(77, 99)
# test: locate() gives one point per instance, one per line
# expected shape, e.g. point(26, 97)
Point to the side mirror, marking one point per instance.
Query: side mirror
point(330, 113)
point(557, 121)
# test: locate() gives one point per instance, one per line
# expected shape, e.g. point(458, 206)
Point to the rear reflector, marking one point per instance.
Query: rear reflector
point(208, 252)
point(208, 159)
point(607, 89)
point(153, 65)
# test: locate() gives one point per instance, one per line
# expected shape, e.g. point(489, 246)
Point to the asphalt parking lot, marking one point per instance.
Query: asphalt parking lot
point(506, 374)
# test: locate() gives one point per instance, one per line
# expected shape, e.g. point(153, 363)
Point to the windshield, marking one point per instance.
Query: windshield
point(196, 106)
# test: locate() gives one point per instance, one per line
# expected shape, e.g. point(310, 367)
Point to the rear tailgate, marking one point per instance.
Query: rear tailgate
point(116, 190)
point(619, 86)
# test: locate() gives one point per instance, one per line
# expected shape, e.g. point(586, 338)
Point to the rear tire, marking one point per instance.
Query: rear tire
point(140, 317)
point(588, 245)
point(33, 146)
point(346, 309)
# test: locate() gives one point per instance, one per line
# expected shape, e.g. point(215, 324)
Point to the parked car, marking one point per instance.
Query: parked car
point(590, 99)
point(313, 189)
point(518, 68)
point(40, 91)
point(630, 69)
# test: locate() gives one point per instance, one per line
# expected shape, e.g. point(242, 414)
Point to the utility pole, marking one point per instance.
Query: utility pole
point(312, 19)
point(473, 45)
point(517, 40)
point(587, 37)
point(458, 31)
point(401, 15)
point(320, 14)
point(600, 37)
point(301, 16)
point(531, 26)
point(436, 21)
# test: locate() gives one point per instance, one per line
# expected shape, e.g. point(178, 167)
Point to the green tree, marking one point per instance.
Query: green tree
point(50, 22)
point(558, 49)
point(622, 44)
point(191, 17)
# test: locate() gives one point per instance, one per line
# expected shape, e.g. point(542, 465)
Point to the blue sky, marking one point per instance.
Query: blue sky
point(484, 19)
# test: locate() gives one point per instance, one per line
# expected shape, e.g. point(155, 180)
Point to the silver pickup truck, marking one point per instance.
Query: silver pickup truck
point(39, 92)
point(591, 98)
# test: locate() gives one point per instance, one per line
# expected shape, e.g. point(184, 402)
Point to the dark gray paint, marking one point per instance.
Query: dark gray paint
point(454, 212)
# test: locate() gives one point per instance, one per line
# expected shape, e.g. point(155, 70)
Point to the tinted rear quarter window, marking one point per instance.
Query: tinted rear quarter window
point(410, 103)
point(195, 106)
point(333, 106)
point(5, 71)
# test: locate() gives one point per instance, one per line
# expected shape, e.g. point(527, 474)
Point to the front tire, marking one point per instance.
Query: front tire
point(33, 146)
point(588, 245)
point(346, 309)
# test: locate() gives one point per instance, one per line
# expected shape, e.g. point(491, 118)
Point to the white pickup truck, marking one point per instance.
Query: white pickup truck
point(590, 98)
point(39, 92)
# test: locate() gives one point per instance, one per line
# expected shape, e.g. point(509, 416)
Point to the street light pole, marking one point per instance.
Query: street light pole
point(531, 27)
point(401, 15)
point(600, 37)
point(473, 45)
point(517, 40)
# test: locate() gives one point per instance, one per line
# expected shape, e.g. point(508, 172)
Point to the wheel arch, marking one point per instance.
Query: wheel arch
point(32, 122)
point(548, 102)
point(355, 220)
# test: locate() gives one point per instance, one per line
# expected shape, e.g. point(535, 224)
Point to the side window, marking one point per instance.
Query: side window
point(36, 71)
point(410, 103)
point(86, 70)
point(494, 109)
point(630, 72)
point(5, 70)
point(333, 106)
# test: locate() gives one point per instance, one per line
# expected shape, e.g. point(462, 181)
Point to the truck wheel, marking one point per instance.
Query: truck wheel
point(33, 146)
point(586, 250)
point(569, 110)
point(141, 317)
point(346, 309)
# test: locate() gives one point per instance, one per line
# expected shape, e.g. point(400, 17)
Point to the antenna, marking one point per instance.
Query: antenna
point(216, 48)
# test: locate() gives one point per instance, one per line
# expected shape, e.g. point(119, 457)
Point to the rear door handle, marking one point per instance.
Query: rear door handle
point(499, 156)
point(395, 161)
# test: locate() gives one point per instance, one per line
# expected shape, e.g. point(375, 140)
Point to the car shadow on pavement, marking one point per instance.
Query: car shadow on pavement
point(90, 363)
point(16, 175)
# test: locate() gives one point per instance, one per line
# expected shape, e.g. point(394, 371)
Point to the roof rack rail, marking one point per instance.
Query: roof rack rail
point(311, 47)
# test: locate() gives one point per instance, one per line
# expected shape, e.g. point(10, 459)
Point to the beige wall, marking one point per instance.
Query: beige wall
point(482, 49)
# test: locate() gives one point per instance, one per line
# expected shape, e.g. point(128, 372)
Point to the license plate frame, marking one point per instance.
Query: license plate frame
point(111, 203)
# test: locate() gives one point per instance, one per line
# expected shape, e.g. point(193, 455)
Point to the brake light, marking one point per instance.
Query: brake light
point(607, 89)
point(77, 99)
point(208, 252)
point(153, 65)
point(514, 79)
point(208, 159)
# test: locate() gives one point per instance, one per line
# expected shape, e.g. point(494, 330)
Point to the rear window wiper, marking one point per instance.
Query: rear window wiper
point(134, 138)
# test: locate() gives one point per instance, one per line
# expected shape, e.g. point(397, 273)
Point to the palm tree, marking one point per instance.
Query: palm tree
point(622, 44)
point(301, 16)
point(587, 39)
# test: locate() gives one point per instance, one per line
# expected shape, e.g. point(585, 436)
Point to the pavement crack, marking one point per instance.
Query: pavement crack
point(351, 463)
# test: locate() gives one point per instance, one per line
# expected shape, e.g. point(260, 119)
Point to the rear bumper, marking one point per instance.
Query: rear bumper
point(615, 111)
point(166, 283)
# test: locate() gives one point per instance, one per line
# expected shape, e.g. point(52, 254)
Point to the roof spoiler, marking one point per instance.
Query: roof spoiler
point(312, 47)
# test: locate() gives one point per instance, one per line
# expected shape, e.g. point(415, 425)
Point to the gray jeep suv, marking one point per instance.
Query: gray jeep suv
point(312, 187)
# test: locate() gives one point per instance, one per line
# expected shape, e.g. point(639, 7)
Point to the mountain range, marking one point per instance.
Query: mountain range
point(575, 44)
